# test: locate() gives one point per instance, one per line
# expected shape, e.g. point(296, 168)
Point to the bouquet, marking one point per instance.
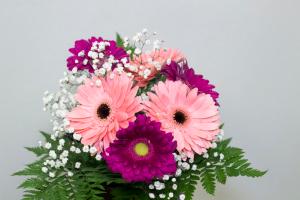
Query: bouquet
point(133, 121)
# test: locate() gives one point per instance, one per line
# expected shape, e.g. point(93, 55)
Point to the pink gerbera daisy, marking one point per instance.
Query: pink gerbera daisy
point(106, 105)
point(192, 118)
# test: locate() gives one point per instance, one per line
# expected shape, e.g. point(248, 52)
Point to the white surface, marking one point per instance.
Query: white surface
point(249, 49)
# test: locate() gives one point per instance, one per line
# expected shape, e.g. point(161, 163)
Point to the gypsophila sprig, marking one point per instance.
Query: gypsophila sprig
point(131, 120)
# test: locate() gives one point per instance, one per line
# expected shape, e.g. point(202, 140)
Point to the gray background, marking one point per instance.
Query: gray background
point(248, 48)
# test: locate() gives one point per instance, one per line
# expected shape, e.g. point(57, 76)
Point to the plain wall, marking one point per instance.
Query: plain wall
point(248, 48)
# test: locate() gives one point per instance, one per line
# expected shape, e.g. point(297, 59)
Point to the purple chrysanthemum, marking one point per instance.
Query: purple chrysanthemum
point(142, 151)
point(181, 71)
point(91, 54)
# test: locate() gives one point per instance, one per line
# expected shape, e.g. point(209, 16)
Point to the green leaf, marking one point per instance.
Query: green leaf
point(119, 40)
point(208, 181)
point(47, 136)
point(38, 151)
point(221, 175)
point(250, 172)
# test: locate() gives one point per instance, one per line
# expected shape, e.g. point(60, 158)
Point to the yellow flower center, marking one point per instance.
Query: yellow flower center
point(141, 149)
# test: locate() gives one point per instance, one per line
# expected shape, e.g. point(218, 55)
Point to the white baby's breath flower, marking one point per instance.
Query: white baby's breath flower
point(85, 148)
point(76, 136)
point(166, 177)
point(98, 157)
point(70, 173)
point(178, 172)
point(174, 186)
point(214, 145)
point(53, 137)
point(182, 197)
point(52, 174)
point(44, 169)
point(221, 156)
point(78, 151)
point(52, 154)
point(205, 155)
point(62, 142)
point(194, 167)
point(72, 149)
point(64, 161)
point(151, 186)
point(59, 147)
point(93, 150)
point(51, 163)
point(65, 153)
point(151, 196)
point(77, 165)
point(48, 145)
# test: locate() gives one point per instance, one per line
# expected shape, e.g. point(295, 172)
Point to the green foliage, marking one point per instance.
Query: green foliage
point(94, 181)
point(211, 170)
point(216, 169)
point(88, 182)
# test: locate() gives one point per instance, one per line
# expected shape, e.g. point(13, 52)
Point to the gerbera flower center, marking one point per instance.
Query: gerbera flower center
point(103, 111)
point(180, 117)
point(141, 149)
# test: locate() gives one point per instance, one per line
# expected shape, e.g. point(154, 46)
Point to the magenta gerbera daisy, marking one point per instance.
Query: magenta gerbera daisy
point(106, 105)
point(142, 151)
point(181, 71)
point(192, 118)
point(91, 54)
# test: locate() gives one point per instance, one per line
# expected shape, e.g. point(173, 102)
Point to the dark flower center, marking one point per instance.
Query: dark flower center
point(103, 111)
point(179, 117)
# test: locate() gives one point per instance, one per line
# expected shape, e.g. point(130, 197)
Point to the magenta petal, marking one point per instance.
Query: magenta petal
point(159, 161)
point(181, 71)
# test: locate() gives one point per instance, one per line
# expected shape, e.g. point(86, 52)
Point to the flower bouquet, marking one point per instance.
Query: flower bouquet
point(131, 120)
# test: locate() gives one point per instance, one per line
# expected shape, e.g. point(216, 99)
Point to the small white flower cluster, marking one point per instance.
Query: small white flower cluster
point(146, 42)
point(61, 102)
point(101, 63)
point(86, 149)
point(214, 146)
point(142, 40)
point(157, 185)
point(183, 164)
point(58, 158)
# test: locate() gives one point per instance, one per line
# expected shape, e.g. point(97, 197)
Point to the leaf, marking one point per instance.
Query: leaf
point(119, 40)
point(208, 181)
point(221, 175)
point(38, 151)
point(224, 143)
point(47, 136)
point(250, 172)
